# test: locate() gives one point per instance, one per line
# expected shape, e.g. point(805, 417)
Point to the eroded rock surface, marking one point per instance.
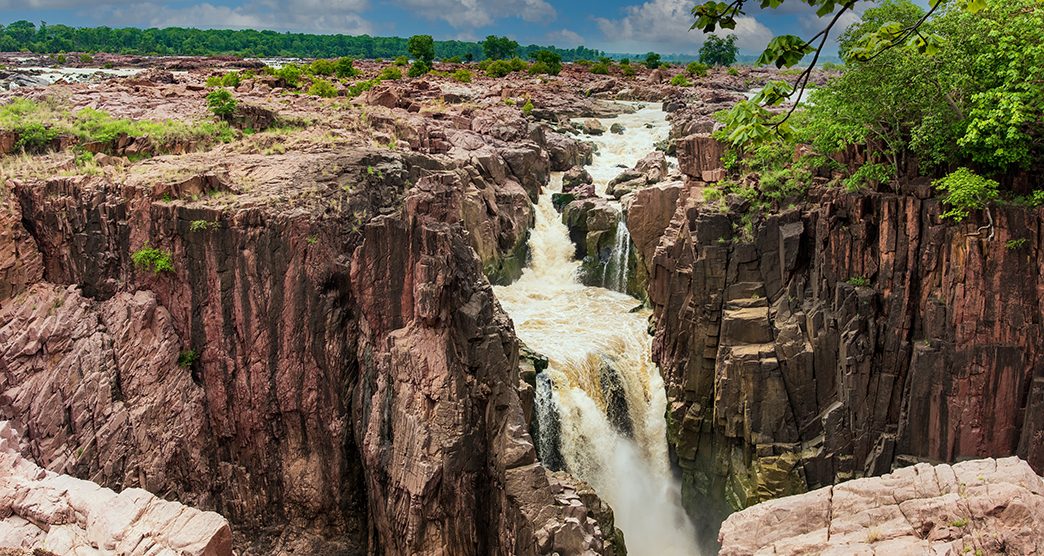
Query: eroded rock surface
point(974, 507)
point(49, 513)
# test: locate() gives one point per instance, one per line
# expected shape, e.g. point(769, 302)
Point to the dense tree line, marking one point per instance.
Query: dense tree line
point(24, 35)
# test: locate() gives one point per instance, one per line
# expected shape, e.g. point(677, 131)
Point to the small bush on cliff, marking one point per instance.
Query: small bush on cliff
point(221, 103)
point(390, 73)
point(527, 108)
point(680, 81)
point(696, 69)
point(965, 191)
point(230, 79)
point(187, 358)
point(600, 68)
point(652, 60)
point(870, 174)
point(322, 88)
point(150, 258)
point(462, 76)
point(345, 68)
point(418, 69)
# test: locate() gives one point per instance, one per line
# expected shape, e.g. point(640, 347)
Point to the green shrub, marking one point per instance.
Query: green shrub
point(418, 69)
point(628, 70)
point(527, 108)
point(345, 68)
point(549, 61)
point(452, 60)
point(869, 174)
point(599, 68)
point(500, 68)
point(289, 75)
point(680, 81)
point(60, 58)
point(230, 79)
point(322, 88)
point(1013, 244)
point(859, 281)
point(221, 103)
point(422, 48)
point(964, 191)
point(697, 69)
point(86, 58)
point(149, 258)
point(187, 358)
point(322, 67)
point(361, 87)
point(35, 137)
point(625, 61)
point(462, 76)
point(401, 61)
point(390, 73)
point(652, 60)
point(199, 225)
point(732, 71)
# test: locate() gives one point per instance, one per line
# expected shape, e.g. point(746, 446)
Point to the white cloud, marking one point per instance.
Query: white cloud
point(479, 13)
point(314, 16)
point(663, 25)
point(564, 38)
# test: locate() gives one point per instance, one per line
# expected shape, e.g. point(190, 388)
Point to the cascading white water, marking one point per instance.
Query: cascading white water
point(614, 275)
point(609, 396)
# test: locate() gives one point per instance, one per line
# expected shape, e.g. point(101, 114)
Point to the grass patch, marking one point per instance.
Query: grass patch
point(150, 258)
point(38, 123)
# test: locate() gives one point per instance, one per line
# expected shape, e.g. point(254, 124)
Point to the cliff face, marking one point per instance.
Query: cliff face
point(842, 338)
point(325, 363)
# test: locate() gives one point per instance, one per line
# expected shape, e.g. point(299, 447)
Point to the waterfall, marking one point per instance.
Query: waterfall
point(615, 276)
point(601, 402)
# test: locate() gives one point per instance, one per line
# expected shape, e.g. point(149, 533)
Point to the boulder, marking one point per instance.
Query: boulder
point(592, 126)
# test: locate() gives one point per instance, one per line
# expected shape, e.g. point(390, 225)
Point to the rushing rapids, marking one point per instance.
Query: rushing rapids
point(601, 402)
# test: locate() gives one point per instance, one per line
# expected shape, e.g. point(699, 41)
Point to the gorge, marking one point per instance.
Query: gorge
point(531, 313)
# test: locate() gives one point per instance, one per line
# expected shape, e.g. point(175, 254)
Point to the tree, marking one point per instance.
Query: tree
point(652, 60)
point(499, 48)
point(221, 103)
point(789, 50)
point(422, 48)
point(718, 51)
point(551, 62)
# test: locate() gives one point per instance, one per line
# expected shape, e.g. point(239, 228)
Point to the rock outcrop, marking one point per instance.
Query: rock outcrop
point(49, 513)
point(974, 507)
point(840, 339)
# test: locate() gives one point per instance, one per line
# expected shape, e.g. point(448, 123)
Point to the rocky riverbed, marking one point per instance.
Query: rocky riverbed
point(293, 325)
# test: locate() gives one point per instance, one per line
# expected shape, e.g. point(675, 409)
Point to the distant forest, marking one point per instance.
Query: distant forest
point(47, 39)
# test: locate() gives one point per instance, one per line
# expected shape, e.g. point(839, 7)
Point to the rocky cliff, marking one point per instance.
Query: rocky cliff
point(295, 330)
point(974, 507)
point(840, 338)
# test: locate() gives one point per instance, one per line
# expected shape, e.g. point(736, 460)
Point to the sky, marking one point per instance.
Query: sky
point(624, 26)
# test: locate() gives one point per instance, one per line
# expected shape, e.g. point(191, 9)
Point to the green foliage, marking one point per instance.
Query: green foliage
point(499, 48)
point(150, 258)
point(344, 67)
point(200, 225)
point(229, 79)
point(500, 68)
point(401, 61)
point(732, 71)
point(859, 281)
point(452, 60)
point(784, 51)
point(322, 67)
point(1013, 244)
point(86, 58)
point(527, 108)
point(550, 61)
point(462, 76)
point(965, 191)
point(719, 51)
point(390, 73)
point(38, 123)
point(870, 174)
point(628, 70)
point(361, 87)
point(289, 75)
point(652, 60)
point(697, 69)
point(322, 88)
point(599, 68)
point(187, 358)
point(418, 69)
point(60, 59)
point(680, 81)
point(422, 48)
point(221, 103)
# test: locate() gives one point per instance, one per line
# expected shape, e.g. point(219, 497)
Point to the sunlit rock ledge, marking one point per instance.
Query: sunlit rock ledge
point(984, 506)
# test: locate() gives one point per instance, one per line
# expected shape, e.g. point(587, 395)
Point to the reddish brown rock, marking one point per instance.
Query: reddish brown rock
point(699, 157)
point(46, 512)
point(974, 507)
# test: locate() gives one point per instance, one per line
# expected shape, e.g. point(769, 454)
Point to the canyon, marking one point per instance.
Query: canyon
point(480, 318)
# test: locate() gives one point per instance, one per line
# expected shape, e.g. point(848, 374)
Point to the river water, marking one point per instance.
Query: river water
point(601, 387)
